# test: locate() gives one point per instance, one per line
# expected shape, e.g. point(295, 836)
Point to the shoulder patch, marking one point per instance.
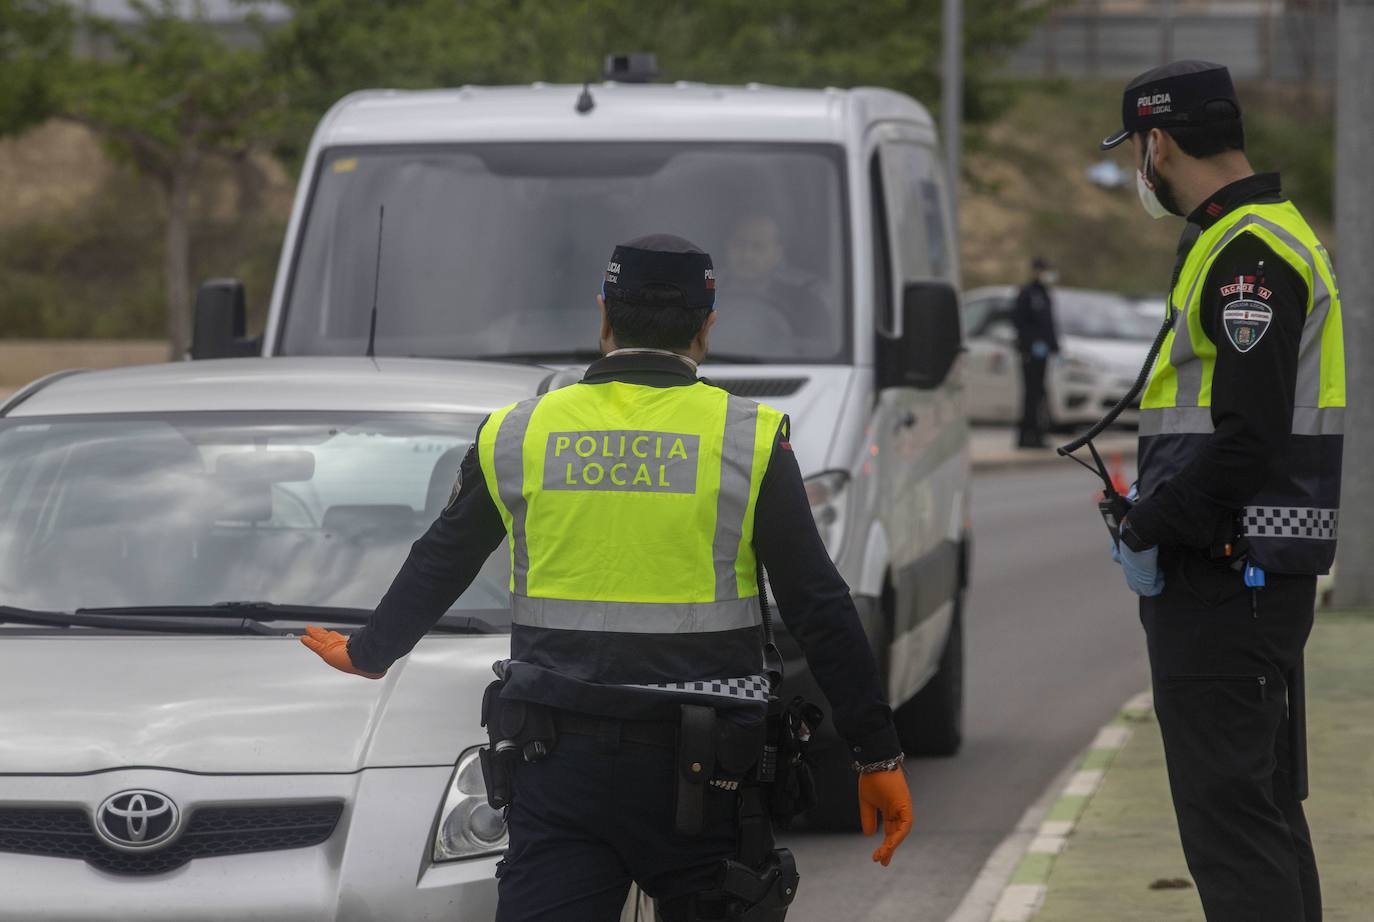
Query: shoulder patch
point(1246, 321)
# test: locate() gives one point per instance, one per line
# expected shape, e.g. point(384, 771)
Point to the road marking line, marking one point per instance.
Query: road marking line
point(1059, 828)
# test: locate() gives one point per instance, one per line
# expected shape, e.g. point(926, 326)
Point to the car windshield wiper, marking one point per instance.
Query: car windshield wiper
point(115, 619)
point(450, 623)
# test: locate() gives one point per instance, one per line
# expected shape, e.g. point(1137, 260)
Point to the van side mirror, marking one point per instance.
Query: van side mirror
point(220, 319)
point(930, 342)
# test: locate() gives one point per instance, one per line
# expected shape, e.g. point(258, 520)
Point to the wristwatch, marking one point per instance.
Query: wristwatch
point(1131, 539)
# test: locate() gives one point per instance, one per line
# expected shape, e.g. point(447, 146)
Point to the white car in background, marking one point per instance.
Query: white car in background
point(1103, 340)
point(168, 749)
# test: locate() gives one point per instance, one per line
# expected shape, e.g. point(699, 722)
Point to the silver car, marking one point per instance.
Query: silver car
point(168, 750)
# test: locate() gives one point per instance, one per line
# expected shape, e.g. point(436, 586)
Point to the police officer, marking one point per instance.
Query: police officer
point(1037, 340)
point(1240, 470)
point(638, 504)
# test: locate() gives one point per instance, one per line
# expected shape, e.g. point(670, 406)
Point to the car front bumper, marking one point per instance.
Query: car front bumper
point(375, 866)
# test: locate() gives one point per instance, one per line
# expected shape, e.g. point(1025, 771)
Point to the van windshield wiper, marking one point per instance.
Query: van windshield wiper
point(558, 356)
point(115, 619)
point(450, 623)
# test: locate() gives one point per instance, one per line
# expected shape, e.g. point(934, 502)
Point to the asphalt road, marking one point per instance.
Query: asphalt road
point(1054, 648)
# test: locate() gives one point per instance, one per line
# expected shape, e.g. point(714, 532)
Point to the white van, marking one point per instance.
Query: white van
point(827, 215)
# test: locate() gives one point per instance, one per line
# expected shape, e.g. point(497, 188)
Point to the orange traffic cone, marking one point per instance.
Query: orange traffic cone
point(1118, 475)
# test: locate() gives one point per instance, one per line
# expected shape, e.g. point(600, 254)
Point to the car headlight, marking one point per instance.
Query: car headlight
point(828, 498)
point(468, 826)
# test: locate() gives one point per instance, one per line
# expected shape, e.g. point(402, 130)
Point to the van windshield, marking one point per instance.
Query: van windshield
point(499, 249)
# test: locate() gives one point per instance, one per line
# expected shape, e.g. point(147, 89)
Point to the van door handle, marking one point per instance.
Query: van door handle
point(907, 421)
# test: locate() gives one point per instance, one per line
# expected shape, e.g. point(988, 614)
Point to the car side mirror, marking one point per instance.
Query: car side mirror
point(220, 319)
point(931, 338)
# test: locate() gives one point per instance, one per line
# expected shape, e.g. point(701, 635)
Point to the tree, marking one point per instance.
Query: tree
point(165, 93)
point(327, 48)
point(35, 37)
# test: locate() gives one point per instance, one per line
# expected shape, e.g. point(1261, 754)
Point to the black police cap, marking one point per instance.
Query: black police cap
point(1176, 95)
point(661, 259)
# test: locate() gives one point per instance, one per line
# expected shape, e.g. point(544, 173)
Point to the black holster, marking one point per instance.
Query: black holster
point(517, 731)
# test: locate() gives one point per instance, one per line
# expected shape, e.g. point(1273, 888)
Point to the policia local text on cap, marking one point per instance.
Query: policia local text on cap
point(1234, 514)
point(639, 505)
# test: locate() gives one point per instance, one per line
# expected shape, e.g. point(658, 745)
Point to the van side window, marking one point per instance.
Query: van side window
point(882, 259)
point(913, 176)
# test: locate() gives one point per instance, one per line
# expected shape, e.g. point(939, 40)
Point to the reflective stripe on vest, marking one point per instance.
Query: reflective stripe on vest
point(629, 511)
point(1292, 522)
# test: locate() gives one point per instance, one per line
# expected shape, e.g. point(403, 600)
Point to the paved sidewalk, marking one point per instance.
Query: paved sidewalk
point(1122, 862)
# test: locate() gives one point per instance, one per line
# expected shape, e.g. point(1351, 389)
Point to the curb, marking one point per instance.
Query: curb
point(1024, 892)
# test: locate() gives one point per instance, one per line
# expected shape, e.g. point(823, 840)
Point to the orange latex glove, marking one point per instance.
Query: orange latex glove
point(888, 794)
point(333, 649)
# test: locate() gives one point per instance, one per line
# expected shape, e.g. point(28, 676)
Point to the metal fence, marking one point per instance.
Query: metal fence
point(1294, 42)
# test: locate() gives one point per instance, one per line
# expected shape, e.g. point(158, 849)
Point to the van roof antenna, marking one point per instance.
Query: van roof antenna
point(585, 103)
point(376, 285)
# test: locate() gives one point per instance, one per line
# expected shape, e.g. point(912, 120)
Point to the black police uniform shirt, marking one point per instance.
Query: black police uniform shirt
point(813, 599)
point(1252, 391)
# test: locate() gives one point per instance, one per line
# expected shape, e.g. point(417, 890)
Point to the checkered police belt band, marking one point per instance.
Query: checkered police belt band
point(749, 688)
point(1290, 522)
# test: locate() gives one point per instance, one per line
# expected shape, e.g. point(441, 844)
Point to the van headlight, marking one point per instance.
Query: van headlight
point(828, 498)
point(468, 826)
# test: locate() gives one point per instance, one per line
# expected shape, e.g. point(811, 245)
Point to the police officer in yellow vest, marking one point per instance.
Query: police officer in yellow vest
point(638, 505)
point(1239, 491)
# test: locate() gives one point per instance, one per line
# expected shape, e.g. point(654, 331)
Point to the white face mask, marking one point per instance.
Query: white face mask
point(1148, 200)
point(1049, 277)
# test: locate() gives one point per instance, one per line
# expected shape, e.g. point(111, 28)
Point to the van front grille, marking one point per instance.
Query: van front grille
point(66, 832)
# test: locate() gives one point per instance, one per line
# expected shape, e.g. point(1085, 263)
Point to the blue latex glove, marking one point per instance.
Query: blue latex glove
point(1040, 349)
point(1141, 568)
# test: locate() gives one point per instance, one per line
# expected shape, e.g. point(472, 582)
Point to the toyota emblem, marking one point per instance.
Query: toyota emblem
point(137, 821)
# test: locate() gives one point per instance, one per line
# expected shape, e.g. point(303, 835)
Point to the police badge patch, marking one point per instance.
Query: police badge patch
point(1246, 322)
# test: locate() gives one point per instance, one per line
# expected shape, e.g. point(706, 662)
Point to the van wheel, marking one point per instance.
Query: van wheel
point(837, 791)
point(932, 722)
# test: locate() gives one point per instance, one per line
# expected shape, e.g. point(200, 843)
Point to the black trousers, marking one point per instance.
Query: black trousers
point(592, 816)
point(1220, 658)
point(1032, 434)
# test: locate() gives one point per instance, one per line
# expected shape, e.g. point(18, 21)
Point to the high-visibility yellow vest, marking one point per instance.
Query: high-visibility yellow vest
point(630, 516)
point(1291, 524)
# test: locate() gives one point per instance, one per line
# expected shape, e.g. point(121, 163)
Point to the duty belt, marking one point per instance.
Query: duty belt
point(660, 733)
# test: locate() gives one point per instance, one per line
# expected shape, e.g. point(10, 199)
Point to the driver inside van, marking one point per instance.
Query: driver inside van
point(756, 260)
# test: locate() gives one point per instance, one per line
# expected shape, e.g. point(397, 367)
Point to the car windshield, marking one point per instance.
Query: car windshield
point(499, 249)
point(201, 508)
point(1100, 315)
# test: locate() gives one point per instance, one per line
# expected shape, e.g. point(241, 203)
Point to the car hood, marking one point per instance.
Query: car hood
point(1119, 356)
point(196, 703)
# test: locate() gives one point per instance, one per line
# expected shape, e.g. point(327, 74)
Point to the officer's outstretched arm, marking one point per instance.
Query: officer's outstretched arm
point(441, 566)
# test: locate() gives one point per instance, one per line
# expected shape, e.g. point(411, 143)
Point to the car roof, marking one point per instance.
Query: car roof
point(622, 112)
point(285, 384)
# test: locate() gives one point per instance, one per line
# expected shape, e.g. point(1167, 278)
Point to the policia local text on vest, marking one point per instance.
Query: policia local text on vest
point(1238, 494)
point(629, 724)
